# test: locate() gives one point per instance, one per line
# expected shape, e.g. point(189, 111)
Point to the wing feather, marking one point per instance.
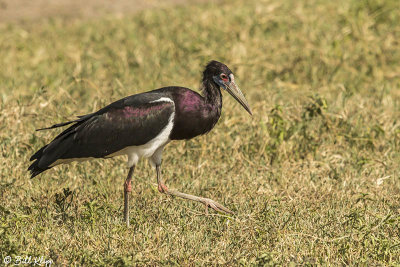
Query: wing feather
point(131, 121)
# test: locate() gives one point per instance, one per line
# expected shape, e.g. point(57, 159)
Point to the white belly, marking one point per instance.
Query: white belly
point(147, 150)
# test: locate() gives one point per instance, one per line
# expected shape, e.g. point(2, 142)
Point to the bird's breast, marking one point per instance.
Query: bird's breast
point(193, 115)
point(192, 123)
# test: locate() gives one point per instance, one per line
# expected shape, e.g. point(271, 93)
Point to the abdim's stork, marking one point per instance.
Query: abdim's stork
point(142, 125)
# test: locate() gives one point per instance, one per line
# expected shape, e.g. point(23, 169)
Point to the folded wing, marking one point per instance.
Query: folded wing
point(131, 121)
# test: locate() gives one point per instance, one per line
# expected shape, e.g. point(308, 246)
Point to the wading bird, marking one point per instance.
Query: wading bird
point(140, 126)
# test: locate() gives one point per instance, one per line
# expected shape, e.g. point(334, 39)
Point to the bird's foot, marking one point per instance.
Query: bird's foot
point(215, 206)
point(206, 201)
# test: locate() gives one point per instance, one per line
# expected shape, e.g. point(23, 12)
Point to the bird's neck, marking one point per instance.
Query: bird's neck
point(212, 94)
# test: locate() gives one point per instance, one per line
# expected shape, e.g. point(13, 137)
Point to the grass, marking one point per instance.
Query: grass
point(313, 176)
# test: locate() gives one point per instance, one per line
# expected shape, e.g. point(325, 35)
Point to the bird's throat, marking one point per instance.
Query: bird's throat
point(212, 94)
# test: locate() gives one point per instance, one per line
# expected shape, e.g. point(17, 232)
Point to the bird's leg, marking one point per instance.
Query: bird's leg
point(162, 188)
point(206, 201)
point(127, 190)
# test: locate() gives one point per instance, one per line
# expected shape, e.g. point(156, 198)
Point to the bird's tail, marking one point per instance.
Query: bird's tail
point(50, 153)
point(53, 150)
point(34, 168)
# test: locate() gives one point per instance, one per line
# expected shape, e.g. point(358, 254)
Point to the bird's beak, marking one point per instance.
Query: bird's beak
point(234, 90)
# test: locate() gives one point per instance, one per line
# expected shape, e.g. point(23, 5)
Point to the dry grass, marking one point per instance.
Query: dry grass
point(313, 177)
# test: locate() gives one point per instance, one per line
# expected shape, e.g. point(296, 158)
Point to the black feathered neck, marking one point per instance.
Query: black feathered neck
point(211, 91)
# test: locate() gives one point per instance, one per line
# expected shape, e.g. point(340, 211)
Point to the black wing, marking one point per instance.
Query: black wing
point(131, 121)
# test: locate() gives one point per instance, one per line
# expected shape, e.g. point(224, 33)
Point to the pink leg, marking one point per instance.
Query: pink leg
point(128, 185)
point(127, 190)
point(162, 188)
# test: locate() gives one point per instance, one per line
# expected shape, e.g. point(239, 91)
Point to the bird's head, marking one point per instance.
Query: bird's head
point(224, 78)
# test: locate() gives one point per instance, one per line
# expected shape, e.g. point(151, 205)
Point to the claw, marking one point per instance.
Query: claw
point(215, 206)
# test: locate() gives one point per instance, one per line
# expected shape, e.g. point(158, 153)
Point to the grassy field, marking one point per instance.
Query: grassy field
point(313, 177)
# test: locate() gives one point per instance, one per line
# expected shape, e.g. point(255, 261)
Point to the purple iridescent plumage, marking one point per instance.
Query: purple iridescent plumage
point(139, 112)
point(137, 119)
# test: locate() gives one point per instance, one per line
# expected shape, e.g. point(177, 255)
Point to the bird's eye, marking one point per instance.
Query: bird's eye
point(224, 77)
